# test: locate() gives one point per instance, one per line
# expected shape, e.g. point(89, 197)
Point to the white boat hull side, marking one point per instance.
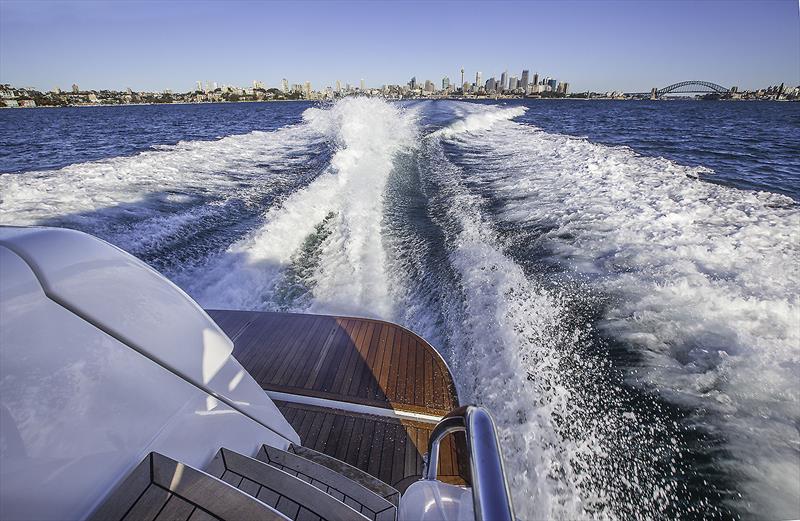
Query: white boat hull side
point(139, 307)
point(79, 409)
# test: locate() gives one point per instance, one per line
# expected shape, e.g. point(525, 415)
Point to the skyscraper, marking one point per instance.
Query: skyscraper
point(445, 83)
point(75, 88)
point(338, 87)
point(285, 85)
point(199, 86)
point(477, 80)
point(513, 83)
point(536, 79)
point(413, 83)
point(462, 78)
point(525, 81)
point(504, 81)
point(361, 85)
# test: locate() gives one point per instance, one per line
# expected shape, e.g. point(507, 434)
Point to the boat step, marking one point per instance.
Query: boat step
point(161, 489)
point(295, 498)
point(334, 483)
point(364, 479)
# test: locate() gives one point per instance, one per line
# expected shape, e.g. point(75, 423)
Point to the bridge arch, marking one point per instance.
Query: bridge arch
point(693, 87)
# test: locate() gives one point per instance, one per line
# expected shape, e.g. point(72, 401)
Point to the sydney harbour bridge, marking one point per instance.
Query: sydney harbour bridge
point(689, 87)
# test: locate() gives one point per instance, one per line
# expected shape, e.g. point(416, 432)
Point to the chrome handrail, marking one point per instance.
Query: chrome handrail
point(490, 495)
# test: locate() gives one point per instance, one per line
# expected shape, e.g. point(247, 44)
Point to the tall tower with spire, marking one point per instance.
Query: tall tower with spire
point(462, 78)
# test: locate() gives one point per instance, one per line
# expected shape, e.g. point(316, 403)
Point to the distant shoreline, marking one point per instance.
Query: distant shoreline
point(452, 98)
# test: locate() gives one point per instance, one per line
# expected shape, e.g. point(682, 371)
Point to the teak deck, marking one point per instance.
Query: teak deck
point(355, 360)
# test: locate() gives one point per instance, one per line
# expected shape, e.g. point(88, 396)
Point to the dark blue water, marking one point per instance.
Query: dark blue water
point(750, 145)
point(47, 138)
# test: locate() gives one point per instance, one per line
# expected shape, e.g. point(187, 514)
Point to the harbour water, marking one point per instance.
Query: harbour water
point(617, 282)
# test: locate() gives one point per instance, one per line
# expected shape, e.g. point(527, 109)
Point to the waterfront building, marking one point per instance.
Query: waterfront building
point(526, 81)
point(428, 86)
point(413, 83)
point(284, 85)
point(362, 87)
point(445, 83)
point(553, 84)
point(477, 80)
point(513, 83)
point(75, 88)
point(338, 87)
point(536, 79)
point(307, 89)
point(503, 81)
point(199, 86)
point(465, 87)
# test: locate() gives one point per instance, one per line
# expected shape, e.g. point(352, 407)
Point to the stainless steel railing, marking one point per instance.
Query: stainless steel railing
point(490, 494)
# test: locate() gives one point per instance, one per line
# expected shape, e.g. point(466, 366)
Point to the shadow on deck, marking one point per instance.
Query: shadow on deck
point(357, 361)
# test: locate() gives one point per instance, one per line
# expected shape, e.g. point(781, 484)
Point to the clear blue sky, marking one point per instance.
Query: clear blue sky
point(598, 45)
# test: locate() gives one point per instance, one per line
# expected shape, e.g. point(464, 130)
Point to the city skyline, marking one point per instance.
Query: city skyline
point(598, 46)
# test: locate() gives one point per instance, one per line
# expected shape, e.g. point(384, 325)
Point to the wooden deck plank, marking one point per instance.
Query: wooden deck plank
point(428, 380)
point(337, 356)
point(398, 458)
point(374, 388)
point(353, 358)
point(278, 347)
point(324, 433)
point(394, 362)
point(368, 381)
point(326, 345)
point(304, 350)
point(362, 369)
point(325, 379)
point(295, 351)
point(386, 451)
point(362, 460)
point(402, 376)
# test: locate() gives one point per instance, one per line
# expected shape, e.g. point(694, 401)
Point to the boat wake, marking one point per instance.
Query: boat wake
point(633, 330)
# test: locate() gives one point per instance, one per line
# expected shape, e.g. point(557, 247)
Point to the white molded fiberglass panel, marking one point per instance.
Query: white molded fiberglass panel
point(79, 410)
point(135, 304)
point(429, 500)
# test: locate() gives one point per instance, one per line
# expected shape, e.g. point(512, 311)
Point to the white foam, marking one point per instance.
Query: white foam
point(367, 134)
point(198, 166)
point(513, 349)
point(478, 117)
point(704, 278)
